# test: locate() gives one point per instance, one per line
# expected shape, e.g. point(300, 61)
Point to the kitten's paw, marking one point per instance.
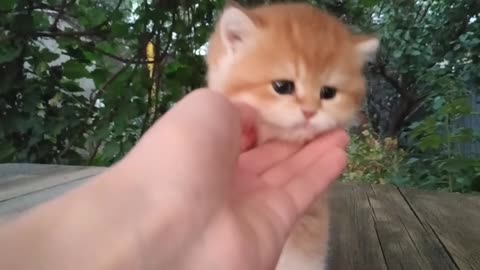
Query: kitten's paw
point(291, 261)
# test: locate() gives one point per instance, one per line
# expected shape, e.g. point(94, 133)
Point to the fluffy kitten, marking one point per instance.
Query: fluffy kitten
point(302, 69)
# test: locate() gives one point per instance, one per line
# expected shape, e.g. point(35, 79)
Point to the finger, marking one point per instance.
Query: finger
point(282, 206)
point(201, 115)
point(203, 123)
point(284, 171)
point(266, 156)
point(316, 178)
point(248, 122)
point(274, 210)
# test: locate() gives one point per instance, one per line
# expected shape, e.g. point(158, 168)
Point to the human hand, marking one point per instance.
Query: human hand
point(190, 195)
point(215, 203)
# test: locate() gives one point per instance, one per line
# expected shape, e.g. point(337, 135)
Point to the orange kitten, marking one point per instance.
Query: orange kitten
point(302, 70)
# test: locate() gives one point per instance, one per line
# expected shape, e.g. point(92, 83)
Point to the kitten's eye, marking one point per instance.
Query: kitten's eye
point(283, 87)
point(328, 92)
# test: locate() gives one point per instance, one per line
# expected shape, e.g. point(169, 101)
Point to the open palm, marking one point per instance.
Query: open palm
point(238, 205)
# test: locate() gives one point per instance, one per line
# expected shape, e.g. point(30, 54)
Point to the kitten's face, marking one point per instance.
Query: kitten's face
point(300, 68)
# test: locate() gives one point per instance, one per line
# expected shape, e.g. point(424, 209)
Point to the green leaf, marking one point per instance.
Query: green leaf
point(174, 67)
point(96, 16)
point(397, 53)
point(412, 161)
point(71, 87)
point(431, 142)
point(416, 52)
point(99, 76)
point(41, 20)
point(438, 102)
point(111, 149)
point(8, 54)
point(41, 67)
point(77, 53)
point(120, 29)
point(415, 125)
point(23, 24)
point(6, 151)
point(74, 70)
point(48, 56)
point(7, 5)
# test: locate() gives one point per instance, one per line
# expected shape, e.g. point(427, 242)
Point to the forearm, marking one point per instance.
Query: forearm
point(98, 226)
point(137, 215)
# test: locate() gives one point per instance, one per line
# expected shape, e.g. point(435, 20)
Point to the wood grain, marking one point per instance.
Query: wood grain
point(38, 186)
point(406, 244)
point(455, 221)
point(354, 241)
point(12, 172)
point(11, 208)
point(28, 184)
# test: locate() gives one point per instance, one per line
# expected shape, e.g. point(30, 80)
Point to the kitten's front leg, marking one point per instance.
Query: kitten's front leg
point(307, 246)
point(292, 259)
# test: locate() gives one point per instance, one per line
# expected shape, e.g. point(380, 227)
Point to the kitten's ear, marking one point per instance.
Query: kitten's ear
point(366, 46)
point(237, 28)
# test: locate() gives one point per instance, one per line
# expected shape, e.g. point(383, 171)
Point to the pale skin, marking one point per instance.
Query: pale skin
point(191, 194)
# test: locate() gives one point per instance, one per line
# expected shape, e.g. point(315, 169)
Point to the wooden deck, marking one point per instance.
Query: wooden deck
point(374, 227)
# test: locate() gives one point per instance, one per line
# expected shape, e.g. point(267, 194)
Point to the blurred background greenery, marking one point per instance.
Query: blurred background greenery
point(75, 84)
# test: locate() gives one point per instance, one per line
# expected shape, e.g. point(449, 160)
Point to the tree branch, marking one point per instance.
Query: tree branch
point(391, 80)
point(133, 60)
point(33, 7)
point(170, 38)
point(105, 22)
point(87, 33)
point(94, 153)
point(60, 13)
point(92, 46)
point(113, 78)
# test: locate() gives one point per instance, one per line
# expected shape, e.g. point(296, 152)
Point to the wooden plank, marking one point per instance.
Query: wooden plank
point(454, 219)
point(26, 175)
point(15, 206)
point(19, 173)
point(354, 241)
point(13, 169)
point(405, 242)
point(21, 186)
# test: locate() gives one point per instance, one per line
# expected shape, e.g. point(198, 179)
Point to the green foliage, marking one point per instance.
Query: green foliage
point(376, 161)
point(373, 161)
point(429, 57)
point(74, 84)
point(438, 161)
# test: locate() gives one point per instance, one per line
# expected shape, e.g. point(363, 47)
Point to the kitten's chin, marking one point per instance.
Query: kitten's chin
point(299, 134)
point(275, 126)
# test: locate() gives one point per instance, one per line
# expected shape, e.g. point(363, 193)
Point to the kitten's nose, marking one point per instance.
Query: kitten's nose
point(308, 114)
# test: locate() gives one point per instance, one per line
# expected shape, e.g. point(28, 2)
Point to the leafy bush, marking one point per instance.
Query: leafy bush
point(74, 83)
point(437, 156)
point(372, 160)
